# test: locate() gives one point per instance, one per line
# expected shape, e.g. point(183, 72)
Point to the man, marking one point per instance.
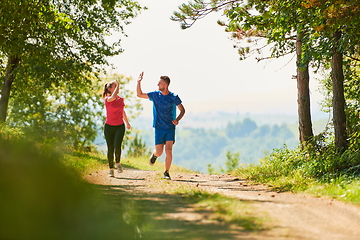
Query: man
point(165, 120)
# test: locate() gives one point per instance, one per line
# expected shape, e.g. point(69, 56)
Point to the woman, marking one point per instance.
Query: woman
point(114, 128)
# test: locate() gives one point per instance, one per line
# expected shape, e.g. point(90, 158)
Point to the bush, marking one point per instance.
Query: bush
point(296, 169)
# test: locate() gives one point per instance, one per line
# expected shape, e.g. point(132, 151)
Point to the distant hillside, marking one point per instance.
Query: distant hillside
point(221, 119)
point(204, 138)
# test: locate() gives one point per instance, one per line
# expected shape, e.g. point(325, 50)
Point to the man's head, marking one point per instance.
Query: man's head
point(164, 83)
point(166, 79)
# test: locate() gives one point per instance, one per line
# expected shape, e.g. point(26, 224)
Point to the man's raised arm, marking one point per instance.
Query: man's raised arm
point(139, 92)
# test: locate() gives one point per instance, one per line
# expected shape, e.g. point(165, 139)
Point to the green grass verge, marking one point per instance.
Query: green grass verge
point(229, 210)
point(87, 162)
point(343, 189)
point(143, 164)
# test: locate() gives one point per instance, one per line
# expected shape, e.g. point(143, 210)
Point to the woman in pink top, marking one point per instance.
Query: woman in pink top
point(114, 128)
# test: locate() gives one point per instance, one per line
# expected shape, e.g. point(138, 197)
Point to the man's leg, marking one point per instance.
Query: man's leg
point(156, 153)
point(158, 150)
point(168, 152)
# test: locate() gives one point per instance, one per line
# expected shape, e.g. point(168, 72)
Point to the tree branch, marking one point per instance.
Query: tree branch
point(195, 14)
point(353, 58)
point(282, 55)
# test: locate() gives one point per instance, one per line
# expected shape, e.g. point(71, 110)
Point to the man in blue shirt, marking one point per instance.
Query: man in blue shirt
point(165, 120)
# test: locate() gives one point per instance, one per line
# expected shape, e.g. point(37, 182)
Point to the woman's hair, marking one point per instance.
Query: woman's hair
point(106, 89)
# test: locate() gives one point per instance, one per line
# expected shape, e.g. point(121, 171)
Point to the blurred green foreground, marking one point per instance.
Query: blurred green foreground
point(41, 199)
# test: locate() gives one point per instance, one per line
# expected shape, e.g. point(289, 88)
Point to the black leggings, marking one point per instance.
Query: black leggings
point(114, 136)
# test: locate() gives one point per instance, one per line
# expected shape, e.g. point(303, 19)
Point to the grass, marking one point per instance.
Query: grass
point(344, 189)
point(230, 210)
point(143, 164)
point(85, 163)
point(341, 190)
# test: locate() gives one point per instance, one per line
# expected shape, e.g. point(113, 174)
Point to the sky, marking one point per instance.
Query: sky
point(204, 67)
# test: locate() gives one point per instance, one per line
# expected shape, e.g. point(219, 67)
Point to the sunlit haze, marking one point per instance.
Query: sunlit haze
point(204, 67)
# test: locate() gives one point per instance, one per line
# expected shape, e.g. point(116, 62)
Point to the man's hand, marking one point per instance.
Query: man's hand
point(139, 92)
point(141, 76)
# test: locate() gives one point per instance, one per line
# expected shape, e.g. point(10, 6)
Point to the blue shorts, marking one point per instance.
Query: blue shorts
point(164, 135)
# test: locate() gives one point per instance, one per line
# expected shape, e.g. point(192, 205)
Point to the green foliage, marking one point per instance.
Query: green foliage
point(71, 114)
point(61, 47)
point(233, 160)
point(57, 44)
point(314, 23)
point(240, 129)
point(62, 29)
point(48, 201)
point(10, 133)
point(352, 96)
point(232, 163)
point(210, 169)
point(138, 148)
point(299, 169)
point(65, 113)
point(85, 162)
point(341, 188)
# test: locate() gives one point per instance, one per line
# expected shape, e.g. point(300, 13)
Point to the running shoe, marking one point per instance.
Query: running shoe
point(152, 160)
point(111, 173)
point(119, 168)
point(167, 175)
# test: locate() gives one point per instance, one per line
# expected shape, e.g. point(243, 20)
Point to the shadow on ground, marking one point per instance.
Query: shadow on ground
point(167, 216)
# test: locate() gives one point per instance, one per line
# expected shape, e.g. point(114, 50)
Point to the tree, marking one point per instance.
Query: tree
point(73, 116)
point(336, 30)
point(138, 148)
point(233, 160)
point(326, 30)
point(337, 77)
point(240, 129)
point(352, 96)
point(56, 40)
point(302, 77)
point(275, 21)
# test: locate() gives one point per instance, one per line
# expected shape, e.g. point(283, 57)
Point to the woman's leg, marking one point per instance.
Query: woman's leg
point(119, 136)
point(110, 140)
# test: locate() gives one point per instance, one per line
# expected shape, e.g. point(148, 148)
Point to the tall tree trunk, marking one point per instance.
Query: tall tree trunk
point(337, 77)
point(13, 63)
point(305, 124)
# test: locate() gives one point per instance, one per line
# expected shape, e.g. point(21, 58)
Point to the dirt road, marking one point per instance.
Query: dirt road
point(293, 216)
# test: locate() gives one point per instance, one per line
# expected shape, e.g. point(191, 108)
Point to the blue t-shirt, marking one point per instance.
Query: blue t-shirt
point(164, 109)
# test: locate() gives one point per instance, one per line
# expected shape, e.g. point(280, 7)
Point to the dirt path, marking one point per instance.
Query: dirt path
point(293, 216)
